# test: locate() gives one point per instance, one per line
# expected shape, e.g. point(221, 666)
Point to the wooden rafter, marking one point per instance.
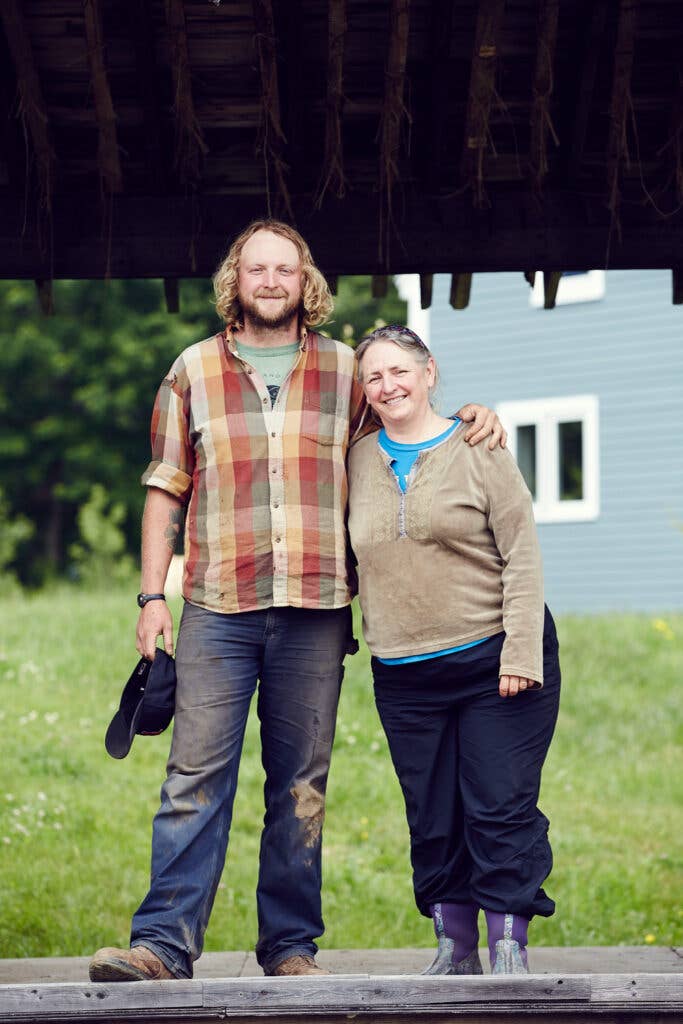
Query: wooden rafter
point(108, 159)
point(584, 99)
point(676, 141)
point(677, 286)
point(32, 105)
point(172, 294)
point(480, 96)
point(541, 121)
point(333, 176)
point(461, 286)
point(620, 105)
point(45, 296)
point(394, 113)
point(551, 282)
point(190, 146)
point(426, 288)
point(141, 34)
point(289, 23)
point(441, 91)
point(272, 135)
point(153, 234)
point(379, 286)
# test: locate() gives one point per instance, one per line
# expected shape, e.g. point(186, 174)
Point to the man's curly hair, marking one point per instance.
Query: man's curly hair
point(316, 300)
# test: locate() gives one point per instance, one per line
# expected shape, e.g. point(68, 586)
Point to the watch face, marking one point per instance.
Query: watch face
point(141, 601)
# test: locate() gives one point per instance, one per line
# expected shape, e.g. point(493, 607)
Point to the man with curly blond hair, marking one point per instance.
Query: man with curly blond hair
point(250, 431)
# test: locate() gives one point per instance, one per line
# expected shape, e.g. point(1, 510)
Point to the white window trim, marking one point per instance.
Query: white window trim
point(588, 287)
point(545, 414)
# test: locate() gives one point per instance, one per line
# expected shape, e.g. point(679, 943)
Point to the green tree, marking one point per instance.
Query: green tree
point(356, 312)
point(76, 392)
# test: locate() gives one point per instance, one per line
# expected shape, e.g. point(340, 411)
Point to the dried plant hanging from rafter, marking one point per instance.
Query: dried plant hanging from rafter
point(190, 147)
point(272, 138)
point(333, 176)
point(541, 121)
point(394, 114)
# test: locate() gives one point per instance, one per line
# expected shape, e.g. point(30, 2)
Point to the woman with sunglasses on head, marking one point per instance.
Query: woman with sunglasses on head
point(465, 656)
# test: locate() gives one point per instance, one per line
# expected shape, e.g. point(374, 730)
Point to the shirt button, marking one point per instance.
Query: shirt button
point(273, 434)
point(276, 505)
point(278, 539)
point(274, 469)
point(265, 401)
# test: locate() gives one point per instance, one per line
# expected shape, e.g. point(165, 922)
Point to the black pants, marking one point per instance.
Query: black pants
point(469, 763)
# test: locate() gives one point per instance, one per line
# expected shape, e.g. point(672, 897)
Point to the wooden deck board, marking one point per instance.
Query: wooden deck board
point(638, 985)
point(544, 960)
point(628, 997)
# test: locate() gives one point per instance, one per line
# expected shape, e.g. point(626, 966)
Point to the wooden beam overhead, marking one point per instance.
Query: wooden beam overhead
point(108, 159)
point(480, 96)
point(620, 105)
point(273, 138)
point(677, 286)
point(379, 286)
point(582, 107)
point(45, 296)
point(426, 287)
point(289, 24)
point(551, 282)
point(461, 286)
point(172, 294)
point(33, 110)
point(332, 176)
point(676, 141)
point(142, 40)
point(394, 114)
point(441, 238)
point(190, 146)
point(541, 121)
point(441, 98)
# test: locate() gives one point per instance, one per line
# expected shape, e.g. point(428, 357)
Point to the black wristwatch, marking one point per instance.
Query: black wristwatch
point(144, 599)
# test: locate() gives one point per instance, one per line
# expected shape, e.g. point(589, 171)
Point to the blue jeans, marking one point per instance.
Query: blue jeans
point(296, 656)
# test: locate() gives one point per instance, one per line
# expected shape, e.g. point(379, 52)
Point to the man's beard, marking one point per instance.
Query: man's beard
point(283, 318)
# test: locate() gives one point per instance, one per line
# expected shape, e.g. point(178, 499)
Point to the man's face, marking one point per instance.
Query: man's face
point(269, 280)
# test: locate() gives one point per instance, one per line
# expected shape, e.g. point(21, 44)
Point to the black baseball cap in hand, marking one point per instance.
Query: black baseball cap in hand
point(147, 704)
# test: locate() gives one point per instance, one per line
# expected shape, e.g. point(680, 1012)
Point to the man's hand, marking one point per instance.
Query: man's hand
point(510, 686)
point(485, 423)
point(155, 620)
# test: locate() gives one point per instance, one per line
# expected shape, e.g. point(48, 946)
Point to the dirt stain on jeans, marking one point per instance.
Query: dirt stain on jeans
point(309, 807)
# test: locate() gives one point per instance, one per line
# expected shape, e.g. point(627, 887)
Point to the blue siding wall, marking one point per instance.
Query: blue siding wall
point(628, 350)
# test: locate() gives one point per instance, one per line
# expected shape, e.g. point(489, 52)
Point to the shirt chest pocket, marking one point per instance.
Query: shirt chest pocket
point(320, 418)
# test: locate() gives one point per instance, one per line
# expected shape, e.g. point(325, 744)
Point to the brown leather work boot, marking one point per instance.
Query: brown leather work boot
point(136, 964)
point(299, 964)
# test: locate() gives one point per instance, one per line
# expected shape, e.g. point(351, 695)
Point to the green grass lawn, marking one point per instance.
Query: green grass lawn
point(75, 825)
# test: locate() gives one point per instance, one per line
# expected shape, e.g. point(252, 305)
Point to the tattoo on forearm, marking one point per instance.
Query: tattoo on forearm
point(176, 518)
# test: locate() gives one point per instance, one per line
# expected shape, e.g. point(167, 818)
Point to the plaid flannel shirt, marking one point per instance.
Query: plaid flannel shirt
point(265, 485)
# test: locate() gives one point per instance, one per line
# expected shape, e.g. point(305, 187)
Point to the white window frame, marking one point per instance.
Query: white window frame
point(588, 287)
point(546, 414)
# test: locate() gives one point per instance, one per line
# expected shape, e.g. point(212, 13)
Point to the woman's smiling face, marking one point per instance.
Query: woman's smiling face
point(395, 383)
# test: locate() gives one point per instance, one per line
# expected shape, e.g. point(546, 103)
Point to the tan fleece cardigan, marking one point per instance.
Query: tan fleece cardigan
point(454, 559)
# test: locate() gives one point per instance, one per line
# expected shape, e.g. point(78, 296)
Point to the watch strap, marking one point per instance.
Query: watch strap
point(144, 599)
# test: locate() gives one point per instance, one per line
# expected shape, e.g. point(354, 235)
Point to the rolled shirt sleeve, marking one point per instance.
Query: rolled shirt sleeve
point(172, 463)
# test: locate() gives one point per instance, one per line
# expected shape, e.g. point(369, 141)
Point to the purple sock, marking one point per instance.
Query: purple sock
point(506, 926)
point(457, 921)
